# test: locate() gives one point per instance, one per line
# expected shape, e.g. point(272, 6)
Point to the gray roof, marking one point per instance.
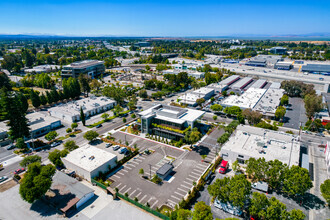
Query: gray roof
point(68, 185)
point(316, 68)
point(164, 169)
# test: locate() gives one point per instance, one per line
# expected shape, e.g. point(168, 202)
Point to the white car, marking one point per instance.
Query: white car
point(123, 150)
point(116, 147)
point(55, 144)
point(3, 178)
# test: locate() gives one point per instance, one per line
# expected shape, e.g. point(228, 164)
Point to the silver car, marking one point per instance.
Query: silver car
point(3, 178)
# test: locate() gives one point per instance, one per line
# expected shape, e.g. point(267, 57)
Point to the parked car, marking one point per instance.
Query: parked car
point(108, 145)
point(223, 166)
point(116, 147)
point(261, 186)
point(320, 134)
point(3, 178)
point(1, 166)
point(54, 144)
point(123, 150)
point(18, 171)
point(10, 147)
point(98, 126)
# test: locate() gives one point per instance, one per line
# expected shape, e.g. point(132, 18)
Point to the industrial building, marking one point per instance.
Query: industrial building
point(242, 83)
point(247, 142)
point(67, 194)
point(269, 102)
point(247, 100)
point(88, 161)
point(257, 63)
point(70, 111)
point(91, 68)
point(191, 97)
point(275, 85)
point(38, 123)
point(278, 50)
point(283, 65)
point(168, 121)
point(218, 87)
point(195, 74)
point(316, 69)
point(43, 69)
point(229, 80)
point(259, 84)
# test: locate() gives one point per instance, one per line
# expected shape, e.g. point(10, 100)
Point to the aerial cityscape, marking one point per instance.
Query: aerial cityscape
point(176, 110)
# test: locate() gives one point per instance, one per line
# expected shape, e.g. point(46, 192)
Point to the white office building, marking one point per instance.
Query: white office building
point(70, 112)
point(191, 97)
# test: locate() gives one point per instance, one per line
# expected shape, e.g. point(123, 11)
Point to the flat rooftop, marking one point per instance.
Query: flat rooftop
point(203, 91)
point(73, 108)
point(88, 157)
point(247, 100)
point(229, 80)
point(269, 101)
point(259, 84)
point(242, 82)
point(84, 63)
point(257, 142)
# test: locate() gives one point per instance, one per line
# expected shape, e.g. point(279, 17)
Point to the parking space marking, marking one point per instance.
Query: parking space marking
point(150, 200)
point(195, 173)
point(179, 194)
point(135, 159)
point(135, 162)
point(185, 186)
point(193, 176)
point(190, 179)
point(125, 170)
point(128, 190)
point(121, 173)
point(188, 183)
point(116, 176)
point(118, 185)
point(154, 204)
point(130, 165)
point(133, 192)
point(143, 198)
point(122, 188)
point(199, 169)
point(173, 203)
point(138, 194)
point(126, 167)
point(185, 191)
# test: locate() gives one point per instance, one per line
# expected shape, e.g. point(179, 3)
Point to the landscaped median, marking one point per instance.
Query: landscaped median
point(107, 119)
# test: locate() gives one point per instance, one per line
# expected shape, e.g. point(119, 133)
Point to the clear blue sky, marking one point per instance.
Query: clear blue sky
point(164, 17)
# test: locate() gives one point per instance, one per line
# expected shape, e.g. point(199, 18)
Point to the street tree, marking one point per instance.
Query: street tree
point(68, 130)
point(74, 125)
point(192, 136)
point(124, 120)
point(82, 116)
point(30, 159)
point(55, 157)
point(143, 93)
point(233, 110)
point(258, 205)
point(91, 135)
point(117, 109)
point(51, 135)
point(296, 181)
point(313, 104)
point(280, 112)
point(20, 144)
point(141, 171)
point(216, 108)
point(223, 138)
point(70, 145)
point(105, 116)
point(325, 190)
point(253, 117)
point(276, 173)
point(296, 214)
point(327, 127)
point(36, 181)
point(200, 101)
point(276, 210)
point(285, 100)
point(202, 212)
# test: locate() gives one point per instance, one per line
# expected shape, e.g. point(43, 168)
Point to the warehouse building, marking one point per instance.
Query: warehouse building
point(247, 142)
point(247, 100)
point(229, 80)
point(218, 87)
point(191, 97)
point(257, 63)
point(70, 111)
point(91, 68)
point(259, 84)
point(88, 161)
point(269, 102)
point(283, 66)
point(242, 83)
point(67, 194)
point(316, 69)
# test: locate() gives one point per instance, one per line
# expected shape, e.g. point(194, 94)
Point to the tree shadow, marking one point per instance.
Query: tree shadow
point(43, 209)
point(201, 150)
point(307, 201)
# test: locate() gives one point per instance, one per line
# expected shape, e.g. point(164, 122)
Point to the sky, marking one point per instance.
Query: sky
point(180, 18)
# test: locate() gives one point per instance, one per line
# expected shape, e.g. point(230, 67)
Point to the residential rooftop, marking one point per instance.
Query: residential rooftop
point(89, 158)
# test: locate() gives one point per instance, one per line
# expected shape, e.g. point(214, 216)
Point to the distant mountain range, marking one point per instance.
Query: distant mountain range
point(311, 36)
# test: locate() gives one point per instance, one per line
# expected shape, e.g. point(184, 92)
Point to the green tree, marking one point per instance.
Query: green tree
point(192, 136)
point(84, 84)
point(68, 130)
point(91, 135)
point(124, 120)
point(325, 190)
point(74, 125)
point(55, 157)
point(215, 117)
point(296, 214)
point(327, 126)
point(36, 181)
point(20, 144)
point(82, 116)
point(296, 181)
point(276, 173)
point(105, 116)
point(183, 214)
point(258, 205)
point(143, 93)
point(117, 109)
point(285, 100)
point(313, 104)
point(34, 99)
point(51, 135)
point(233, 110)
point(30, 159)
point(70, 145)
point(202, 212)
point(253, 117)
point(200, 101)
point(4, 81)
point(276, 210)
point(223, 138)
point(216, 108)
point(141, 171)
point(236, 166)
point(24, 101)
point(43, 99)
point(280, 112)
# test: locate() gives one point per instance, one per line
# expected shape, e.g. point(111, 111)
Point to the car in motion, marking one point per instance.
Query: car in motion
point(18, 171)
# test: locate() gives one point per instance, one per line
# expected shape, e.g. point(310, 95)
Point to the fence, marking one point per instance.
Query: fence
point(99, 184)
point(146, 208)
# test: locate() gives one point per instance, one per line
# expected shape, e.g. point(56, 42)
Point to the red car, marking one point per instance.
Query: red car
point(223, 167)
point(20, 170)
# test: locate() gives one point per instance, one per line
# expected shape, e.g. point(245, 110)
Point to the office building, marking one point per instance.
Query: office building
point(168, 121)
point(91, 68)
point(87, 161)
point(247, 142)
point(70, 111)
point(257, 63)
point(191, 97)
point(283, 65)
point(278, 50)
point(43, 69)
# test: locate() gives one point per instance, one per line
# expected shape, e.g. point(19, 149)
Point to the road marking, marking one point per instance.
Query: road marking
point(182, 190)
point(190, 179)
point(130, 165)
point(189, 183)
point(175, 197)
point(173, 203)
point(150, 200)
point(154, 204)
point(118, 185)
point(185, 186)
point(138, 160)
point(193, 176)
point(197, 169)
point(143, 198)
point(134, 162)
point(128, 190)
point(195, 173)
point(116, 176)
point(128, 168)
point(179, 194)
point(133, 193)
point(138, 194)
point(121, 173)
point(125, 171)
point(122, 188)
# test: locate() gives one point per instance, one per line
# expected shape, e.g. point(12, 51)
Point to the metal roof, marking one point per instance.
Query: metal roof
point(164, 169)
point(316, 68)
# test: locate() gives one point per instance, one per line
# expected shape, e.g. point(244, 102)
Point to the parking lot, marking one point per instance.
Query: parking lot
point(187, 170)
point(110, 150)
point(295, 114)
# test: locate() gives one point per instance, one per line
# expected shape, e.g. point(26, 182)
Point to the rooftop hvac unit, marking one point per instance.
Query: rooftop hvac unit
point(283, 146)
